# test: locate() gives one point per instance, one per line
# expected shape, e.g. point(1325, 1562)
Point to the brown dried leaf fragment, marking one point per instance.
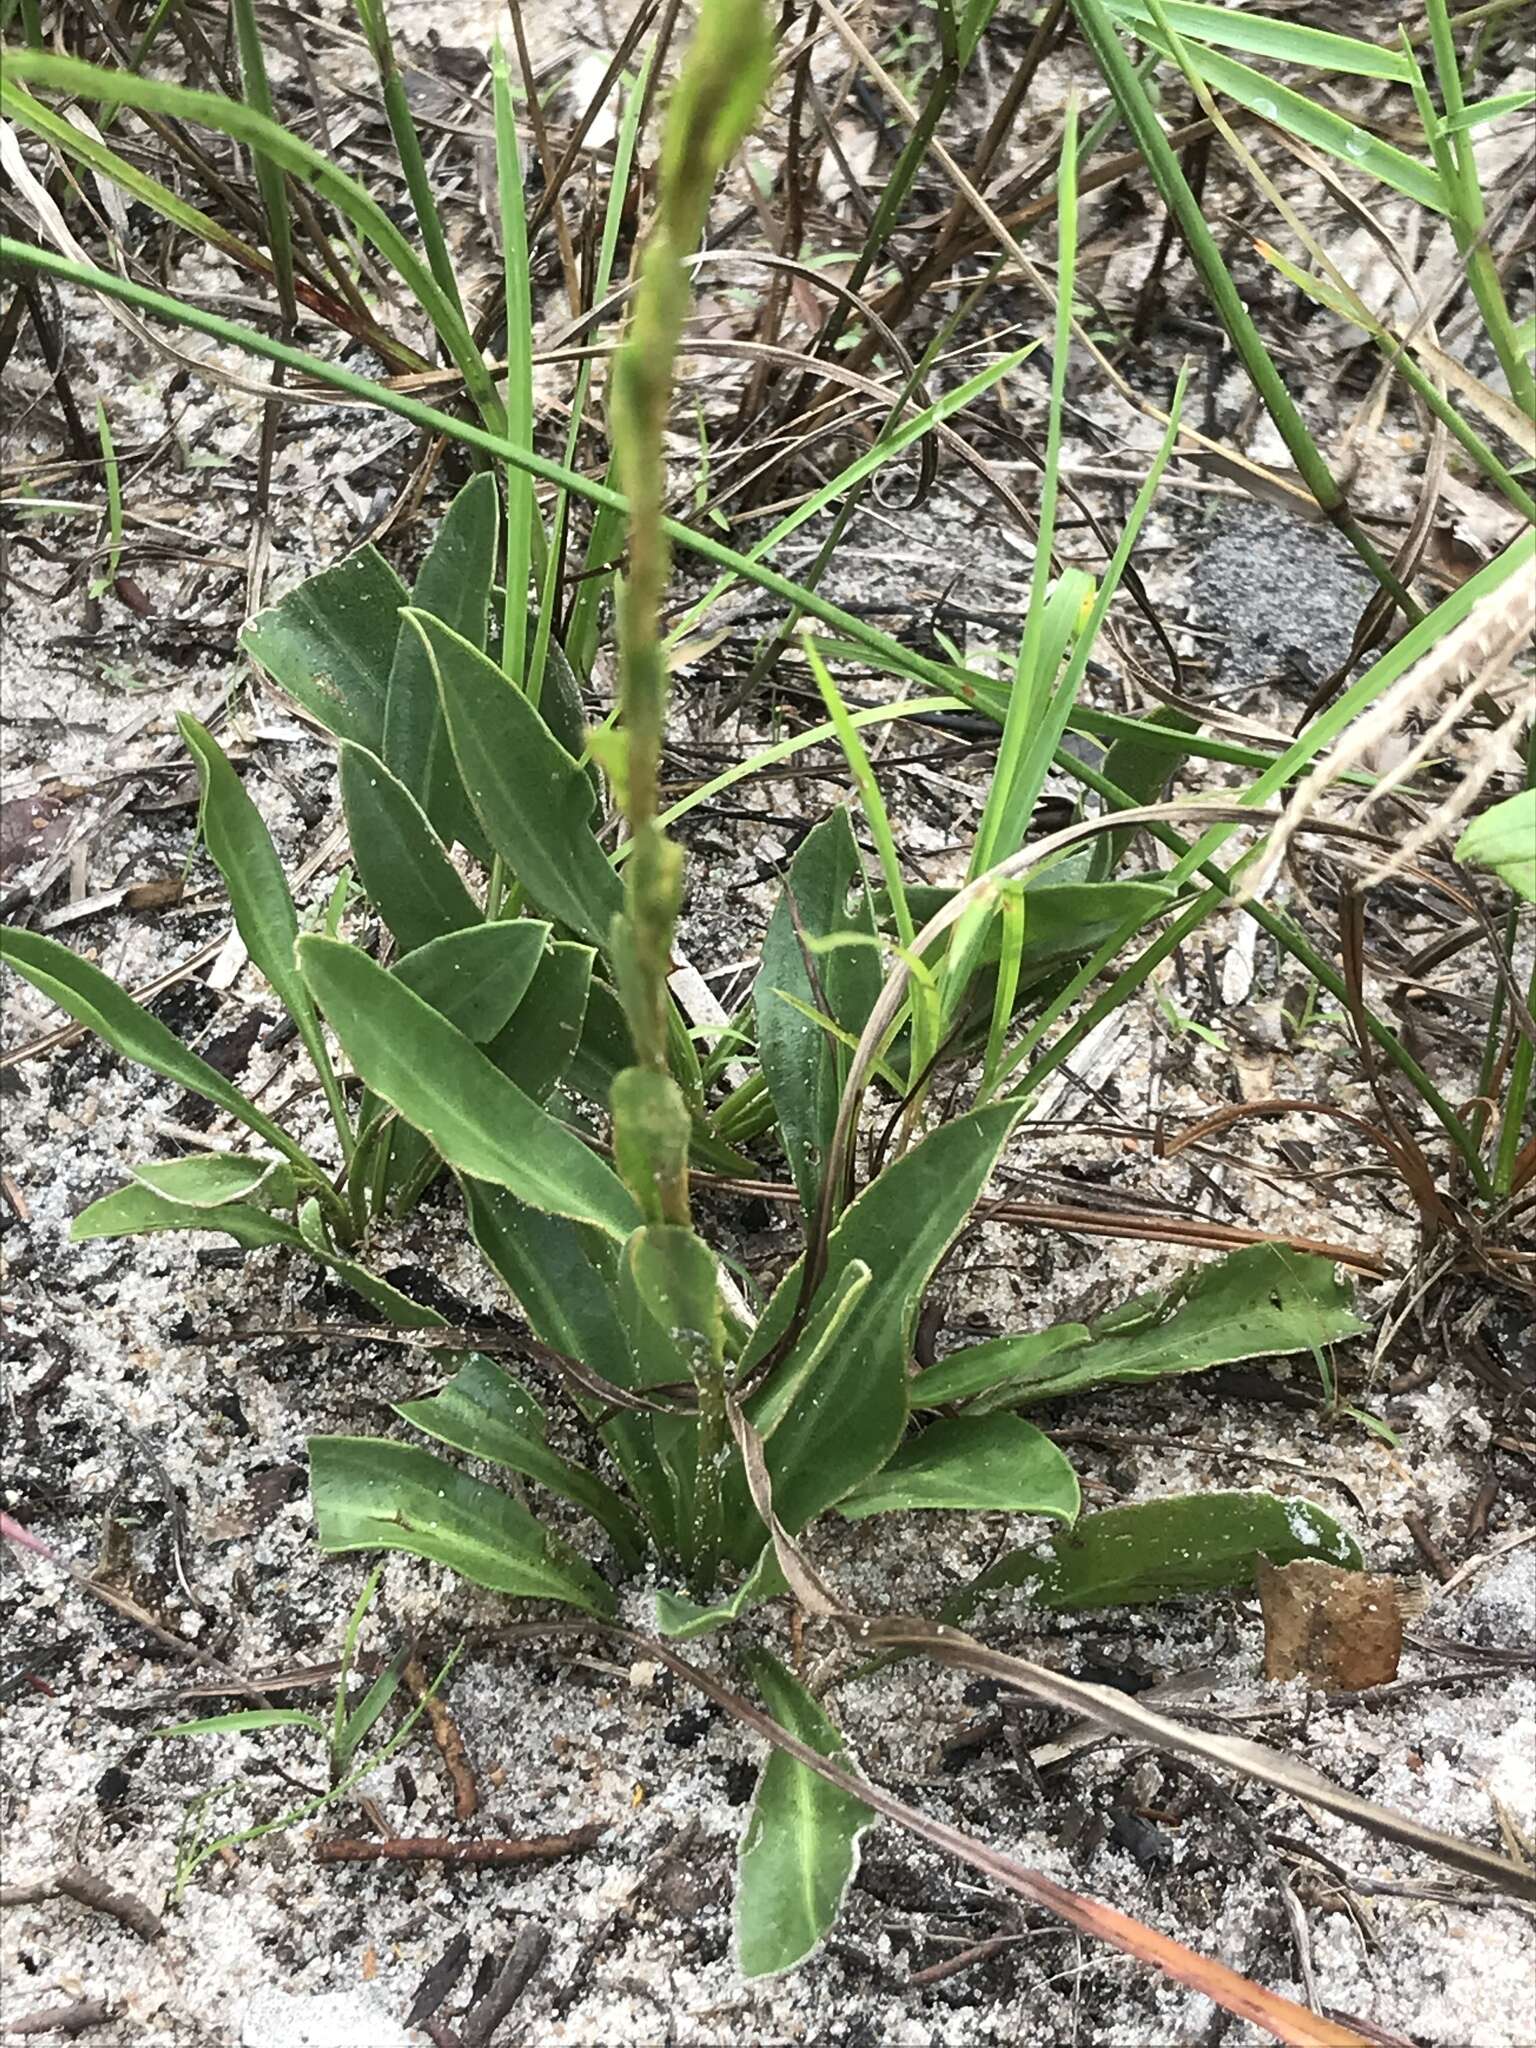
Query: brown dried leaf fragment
point(1341, 1630)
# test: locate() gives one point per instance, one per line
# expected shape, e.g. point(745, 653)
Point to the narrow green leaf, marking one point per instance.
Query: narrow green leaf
point(477, 978)
point(971, 1462)
point(345, 1742)
point(237, 837)
point(139, 1211)
point(209, 1180)
point(800, 1848)
point(243, 1722)
point(848, 1419)
point(537, 1047)
point(1189, 1543)
point(1262, 35)
point(803, 1067)
point(564, 1279)
point(331, 644)
point(487, 1413)
point(95, 1000)
point(370, 1494)
point(454, 585)
point(1000, 1366)
point(1264, 1301)
point(1309, 120)
point(283, 151)
point(1504, 839)
point(480, 1122)
point(530, 796)
point(1143, 767)
point(403, 863)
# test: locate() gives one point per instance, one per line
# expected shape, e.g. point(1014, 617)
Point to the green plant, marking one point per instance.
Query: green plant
point(342, 1737)
point(540, 1059)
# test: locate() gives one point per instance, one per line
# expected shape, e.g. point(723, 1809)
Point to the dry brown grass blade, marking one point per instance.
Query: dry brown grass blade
point(1200, 1233)
point(1120, 1712)
point(1470, 661)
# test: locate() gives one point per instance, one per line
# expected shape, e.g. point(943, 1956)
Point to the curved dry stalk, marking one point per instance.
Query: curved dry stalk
point(1475, 654)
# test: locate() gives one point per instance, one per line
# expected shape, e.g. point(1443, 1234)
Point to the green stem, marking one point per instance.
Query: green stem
point(1141, 118)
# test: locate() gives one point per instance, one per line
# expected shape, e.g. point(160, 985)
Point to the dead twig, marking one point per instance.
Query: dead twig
point(495, 1853)
point(527, 1954)
point(77, 1883)
point(445, 1733)
point(69, 2020)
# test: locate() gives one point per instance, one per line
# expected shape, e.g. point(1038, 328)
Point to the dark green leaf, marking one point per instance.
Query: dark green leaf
point(848, 1418)
point(1263, 1301)
point(331, 643)
point(485, 1412)
point(1190, 1543)
point(242, 850)
point(477, 978)
point(800, 1848)
point(802, 1064)
point(1143, 769)
point(404, 866)
point(1064, 919)
point(94, 999)
point(564, 1279)
point(530, 796)
point(980, 1462)
point(371, 1494)
point(478, 1120)
point(537, 1047)
point(454, 585)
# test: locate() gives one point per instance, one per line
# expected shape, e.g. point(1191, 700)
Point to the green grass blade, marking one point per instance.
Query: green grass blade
point(408, 147)
point(1262, 35)
point(1141, 118)
point(277, 146)
point(522, 511)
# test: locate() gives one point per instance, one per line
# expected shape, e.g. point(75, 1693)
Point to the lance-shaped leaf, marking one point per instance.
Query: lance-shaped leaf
point(237, 837)
point(94, 999)
point(331, 644)
point(564, 1279)
point(802, 1063)
point(477, 978)
point(209, 1180)
point(1190, 1543)
point(139, 1211)
point(980, 1462)
point(538, 1045)
point(404, 865)
point(530, 796)
point(480, 1122)
point(370, 1494)
point(848, 1417)
point(801, 1845)
point(487, 1413)
point(454, 585)
point(1263, 1301)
